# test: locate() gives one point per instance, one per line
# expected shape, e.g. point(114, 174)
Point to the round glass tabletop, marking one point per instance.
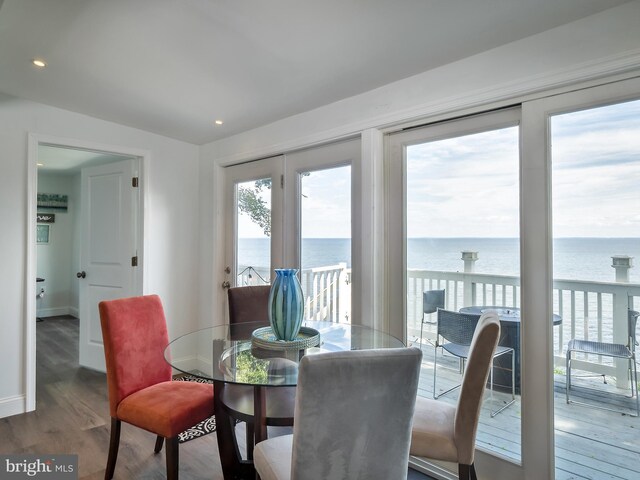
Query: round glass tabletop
point(226, 352)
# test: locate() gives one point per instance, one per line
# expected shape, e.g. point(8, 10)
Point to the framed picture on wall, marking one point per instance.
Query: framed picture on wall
point(42, 233)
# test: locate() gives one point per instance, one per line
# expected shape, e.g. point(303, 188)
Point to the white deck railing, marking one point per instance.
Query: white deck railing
point(323, 287)
point(589, 310)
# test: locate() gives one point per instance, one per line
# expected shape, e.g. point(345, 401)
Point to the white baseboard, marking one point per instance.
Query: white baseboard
point(12, 406)
point(56, 311)
point(74, 312)
point(191, 363)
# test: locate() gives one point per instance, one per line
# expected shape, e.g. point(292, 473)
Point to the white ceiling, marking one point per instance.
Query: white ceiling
point(174, 66)
point(69, 161)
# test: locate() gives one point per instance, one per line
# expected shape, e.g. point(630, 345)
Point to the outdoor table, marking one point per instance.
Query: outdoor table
point(509, 337)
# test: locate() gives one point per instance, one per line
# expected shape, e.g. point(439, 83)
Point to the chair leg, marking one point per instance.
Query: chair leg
point(421, 329)
point(435, 363)
point(568, 375)
point(634, 382)
point(249, 439)
point(114, 443)
point(467, 472)
point(159, 442)
point(513, 384)
point(171, 452)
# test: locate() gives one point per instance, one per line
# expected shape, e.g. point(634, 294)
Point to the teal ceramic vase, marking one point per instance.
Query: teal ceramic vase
point(286, 304)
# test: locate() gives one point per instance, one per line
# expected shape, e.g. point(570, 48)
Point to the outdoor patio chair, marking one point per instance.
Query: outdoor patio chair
point(446, 432)
point(353, 416)
point(432, 300)
point(456, 331)
point(614, 350)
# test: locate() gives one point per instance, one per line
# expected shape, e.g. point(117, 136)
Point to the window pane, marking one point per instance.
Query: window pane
point(253, 263)
point(462, 207)
point(596, 230)
point(326, 243)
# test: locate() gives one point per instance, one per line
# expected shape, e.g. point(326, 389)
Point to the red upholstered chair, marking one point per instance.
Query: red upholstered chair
point(141, 392)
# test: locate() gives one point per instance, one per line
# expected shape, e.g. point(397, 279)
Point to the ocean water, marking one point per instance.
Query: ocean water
point(574, 258)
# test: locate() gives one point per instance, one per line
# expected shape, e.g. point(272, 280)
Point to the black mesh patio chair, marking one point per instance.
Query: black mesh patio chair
point(456, 331)
point(432, 300)
point(614, 350)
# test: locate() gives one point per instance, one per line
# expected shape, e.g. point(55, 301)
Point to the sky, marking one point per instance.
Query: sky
point(469, 186)
point(326, 200)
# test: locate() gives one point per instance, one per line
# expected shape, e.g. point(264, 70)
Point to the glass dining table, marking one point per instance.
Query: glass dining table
point(255, 384)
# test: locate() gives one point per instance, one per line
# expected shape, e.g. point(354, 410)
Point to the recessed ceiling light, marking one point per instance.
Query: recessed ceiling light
point(40, 164)
point(219, 122)
point(39, 63)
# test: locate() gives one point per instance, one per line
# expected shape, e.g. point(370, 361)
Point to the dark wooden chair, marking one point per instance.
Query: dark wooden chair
point(250, 304)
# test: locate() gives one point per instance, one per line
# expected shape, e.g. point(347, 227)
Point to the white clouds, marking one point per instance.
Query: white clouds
point(596, 172)
point(469, 186)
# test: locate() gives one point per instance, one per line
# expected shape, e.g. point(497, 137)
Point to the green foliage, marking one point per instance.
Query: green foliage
point(251, 369)
point(250, 203)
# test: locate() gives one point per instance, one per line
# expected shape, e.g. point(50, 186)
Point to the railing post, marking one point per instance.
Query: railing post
point(469, 259)
point(342, 275)
point(620, 327)
point(622, 264)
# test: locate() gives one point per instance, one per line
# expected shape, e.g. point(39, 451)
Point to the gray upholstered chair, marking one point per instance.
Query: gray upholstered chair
point(614, 350)
point(446, 432)
point(352, 418)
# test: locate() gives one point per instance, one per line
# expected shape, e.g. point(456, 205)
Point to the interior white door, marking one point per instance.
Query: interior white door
point(108, 235)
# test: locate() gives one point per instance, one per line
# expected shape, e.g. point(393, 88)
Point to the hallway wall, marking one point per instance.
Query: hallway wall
point(171, 246)
point(55, 259)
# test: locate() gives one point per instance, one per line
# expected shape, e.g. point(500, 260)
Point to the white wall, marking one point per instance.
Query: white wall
point(172, 211)
point(55, 258)
point(604, 43)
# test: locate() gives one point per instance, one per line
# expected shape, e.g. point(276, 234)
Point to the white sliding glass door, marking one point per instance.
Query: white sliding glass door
point(593, 164)
point(454, 227)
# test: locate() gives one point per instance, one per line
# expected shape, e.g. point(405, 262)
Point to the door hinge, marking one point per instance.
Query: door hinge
point(134, 182)
point(281, 181)
point(134, 261)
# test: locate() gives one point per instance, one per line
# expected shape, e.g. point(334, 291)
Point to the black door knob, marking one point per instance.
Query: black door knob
point(82, 274)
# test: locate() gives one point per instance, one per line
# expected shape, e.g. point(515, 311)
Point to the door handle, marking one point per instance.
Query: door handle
point(226, 284)
point(81, 274)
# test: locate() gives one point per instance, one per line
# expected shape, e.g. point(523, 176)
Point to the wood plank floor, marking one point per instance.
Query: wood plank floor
point(590, 443)
point(72, 416)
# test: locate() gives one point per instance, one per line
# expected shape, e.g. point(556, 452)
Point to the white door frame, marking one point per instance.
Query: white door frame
point(34, 140)
point(538, 431)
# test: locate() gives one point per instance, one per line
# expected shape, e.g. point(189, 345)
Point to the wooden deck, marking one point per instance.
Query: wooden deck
point(590, 443)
